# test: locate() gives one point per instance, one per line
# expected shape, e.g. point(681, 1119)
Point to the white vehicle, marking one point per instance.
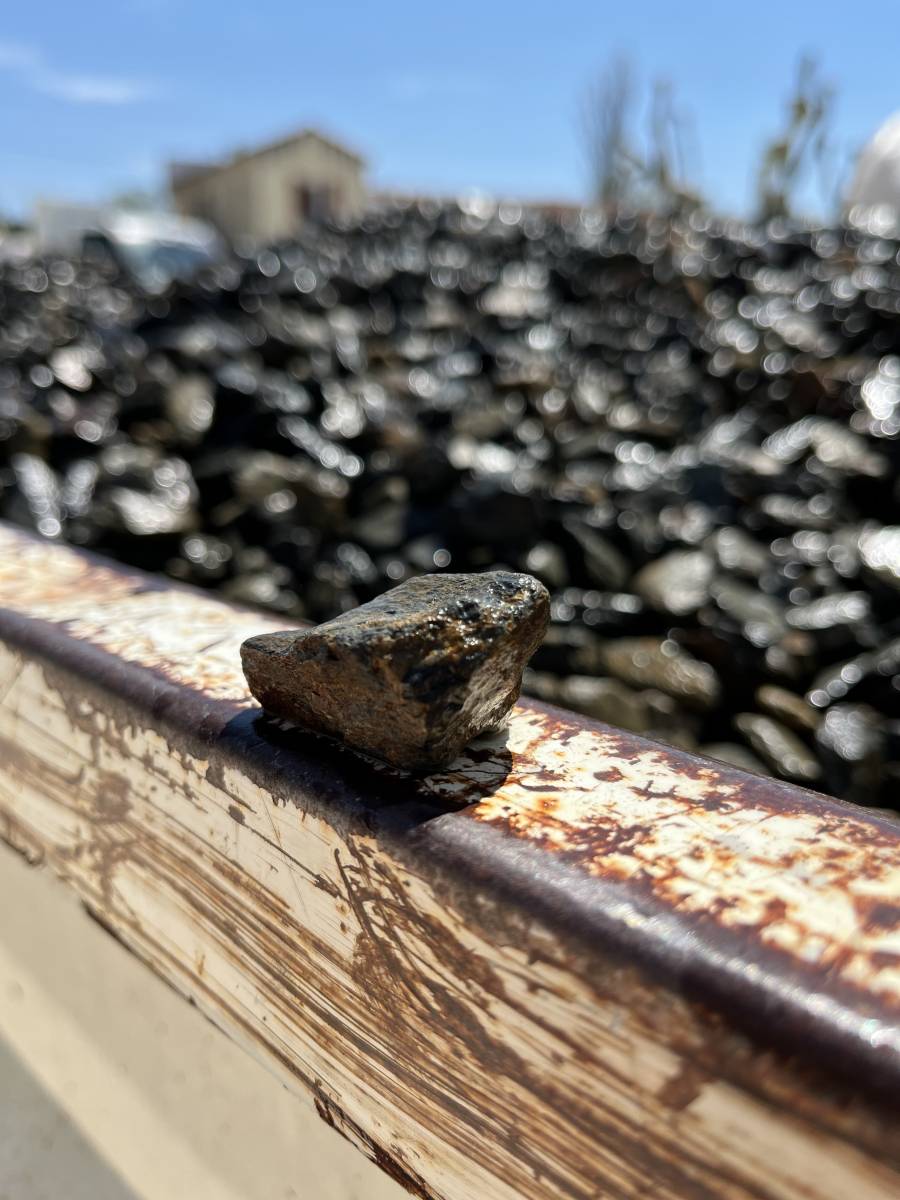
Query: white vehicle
point(154, 248)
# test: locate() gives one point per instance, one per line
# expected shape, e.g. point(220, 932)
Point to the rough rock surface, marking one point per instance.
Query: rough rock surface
point(413, 675)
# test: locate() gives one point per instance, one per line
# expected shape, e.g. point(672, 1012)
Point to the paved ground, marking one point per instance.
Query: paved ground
point(112, 1087)
point(42, 1154)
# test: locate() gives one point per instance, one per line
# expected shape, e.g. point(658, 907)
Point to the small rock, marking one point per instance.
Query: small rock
point(413, 675)
point(190, 406)
point(542, 685)
point(604, 565)
point(678, 583)
point(606, 700)
point(736, 551)
point(614, 614)
point(735, 756)
point(880, 553)
point(548, 563)
point(662, 664)
point(384, 527)
point(834, 445)
point(38, 496)
point(569, 650)
point(760, 615)
point(790, 513)
point(845, 608)
point(852, 745)
point(788, 707)
point(781, 749)
point(873, 677)
point(792, 657)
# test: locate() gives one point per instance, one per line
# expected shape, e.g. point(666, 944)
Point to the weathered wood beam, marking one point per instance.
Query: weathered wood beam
point(575, 964)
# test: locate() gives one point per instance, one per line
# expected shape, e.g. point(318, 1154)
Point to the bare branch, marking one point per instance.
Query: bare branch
point(802, 145)
point(606, 120)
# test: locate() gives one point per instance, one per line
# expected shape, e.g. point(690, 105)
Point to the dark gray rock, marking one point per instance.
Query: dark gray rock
point(833, 444)
point(543, 685)
point(842, 608)
point(736, 551)
point(37, 503)
point(880, 553)
point(605, 700)
point(190, 406)
point(852, 745)
point(662, 664)
point(736, 756)
point(570, 650)
point(647, 711)
point(548, 563)
point(785, 753)
point(413, 675)
point(678, 583)
point(432, 389)
point(788, 707)
point(873, 676)
point(760, 615)
point(604, 565)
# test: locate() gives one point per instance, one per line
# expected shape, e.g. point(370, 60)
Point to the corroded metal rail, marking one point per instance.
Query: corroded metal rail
point(575, 964)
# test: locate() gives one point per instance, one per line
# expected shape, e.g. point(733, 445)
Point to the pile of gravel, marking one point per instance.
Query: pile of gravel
point(687, 430)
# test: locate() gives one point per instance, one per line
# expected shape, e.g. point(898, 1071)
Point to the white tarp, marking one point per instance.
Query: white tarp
point(873, 198)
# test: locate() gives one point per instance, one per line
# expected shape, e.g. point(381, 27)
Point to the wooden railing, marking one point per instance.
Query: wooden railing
point(574, 964)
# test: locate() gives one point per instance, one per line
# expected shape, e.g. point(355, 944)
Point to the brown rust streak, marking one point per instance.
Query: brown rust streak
point(435, 1024)
point(430, 1025)
point(260, 940)
point(332, 1114)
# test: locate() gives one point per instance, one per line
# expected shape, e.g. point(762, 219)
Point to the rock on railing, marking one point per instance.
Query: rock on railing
point(574, 964)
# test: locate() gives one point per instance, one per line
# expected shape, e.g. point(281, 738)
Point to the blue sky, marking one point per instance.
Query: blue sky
point(95, 96)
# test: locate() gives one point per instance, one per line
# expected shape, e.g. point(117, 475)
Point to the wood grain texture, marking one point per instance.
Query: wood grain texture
point(575, 964)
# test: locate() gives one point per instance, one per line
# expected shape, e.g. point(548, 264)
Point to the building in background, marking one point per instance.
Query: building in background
point(269, 193)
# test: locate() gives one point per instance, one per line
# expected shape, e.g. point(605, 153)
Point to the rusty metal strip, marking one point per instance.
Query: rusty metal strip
point(753, 928)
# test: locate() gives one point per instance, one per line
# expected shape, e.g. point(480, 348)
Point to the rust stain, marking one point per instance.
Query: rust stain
point(389, 1161)
point(683, 1088)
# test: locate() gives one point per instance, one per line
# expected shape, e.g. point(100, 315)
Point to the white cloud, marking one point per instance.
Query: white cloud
point(30, 65)
point(90, 89)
